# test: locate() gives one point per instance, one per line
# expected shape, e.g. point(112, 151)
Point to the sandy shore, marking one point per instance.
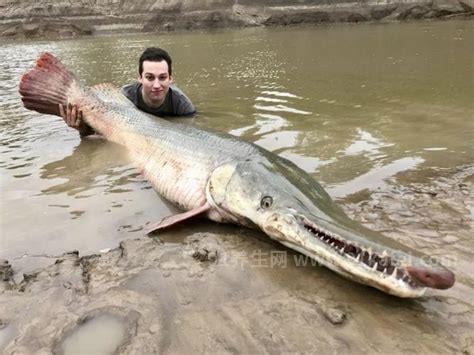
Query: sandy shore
point(233, 290)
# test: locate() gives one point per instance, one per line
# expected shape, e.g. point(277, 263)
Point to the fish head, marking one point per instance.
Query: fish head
point(292, 208)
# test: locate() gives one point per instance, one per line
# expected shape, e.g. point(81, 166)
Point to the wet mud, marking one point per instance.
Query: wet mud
point(214, 288)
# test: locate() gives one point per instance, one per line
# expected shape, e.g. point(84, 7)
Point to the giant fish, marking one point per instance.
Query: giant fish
point(228, 180)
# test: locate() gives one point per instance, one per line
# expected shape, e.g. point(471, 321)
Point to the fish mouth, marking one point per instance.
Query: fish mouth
point(391, 271)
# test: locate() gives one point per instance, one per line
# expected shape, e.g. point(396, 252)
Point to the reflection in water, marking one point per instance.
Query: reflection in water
point(278, 140)
point(270, 123)
point(93, 163)
point(365, 143)
point(375, 178)
point(309, 164)
point(435, 149)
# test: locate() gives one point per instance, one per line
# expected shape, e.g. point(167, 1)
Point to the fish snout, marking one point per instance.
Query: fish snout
point(440, 279)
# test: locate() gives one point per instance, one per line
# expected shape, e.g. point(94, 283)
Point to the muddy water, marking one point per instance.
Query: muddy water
point(101, 335)
point(380, 114)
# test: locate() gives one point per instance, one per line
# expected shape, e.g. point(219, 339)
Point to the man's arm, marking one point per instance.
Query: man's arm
point(73, 118)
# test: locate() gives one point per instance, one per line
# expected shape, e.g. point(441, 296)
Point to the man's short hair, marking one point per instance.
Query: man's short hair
point(154, 54)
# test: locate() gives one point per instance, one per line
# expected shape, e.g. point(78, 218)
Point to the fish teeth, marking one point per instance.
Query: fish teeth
point(359, 257)
point(375, 266)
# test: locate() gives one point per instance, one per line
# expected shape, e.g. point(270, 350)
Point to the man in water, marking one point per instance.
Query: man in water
point(153, 93)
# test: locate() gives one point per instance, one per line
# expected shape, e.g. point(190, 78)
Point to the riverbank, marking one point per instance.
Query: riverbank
point(236, 291)
point(46, 19)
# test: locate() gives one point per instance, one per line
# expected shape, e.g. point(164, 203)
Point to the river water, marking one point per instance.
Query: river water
point(358, 107)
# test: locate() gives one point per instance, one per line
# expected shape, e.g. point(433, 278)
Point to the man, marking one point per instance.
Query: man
point(153, 93)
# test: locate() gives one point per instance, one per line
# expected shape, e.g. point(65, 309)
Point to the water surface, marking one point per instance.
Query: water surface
point(98, 336)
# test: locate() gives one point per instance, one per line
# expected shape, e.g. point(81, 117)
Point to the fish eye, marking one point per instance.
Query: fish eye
point(266, 201)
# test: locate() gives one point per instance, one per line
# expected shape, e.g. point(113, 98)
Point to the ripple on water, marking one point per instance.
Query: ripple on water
point(270, 99)
point(273, 105)
point(281, 108)
point(281, 94)
point(265, 123)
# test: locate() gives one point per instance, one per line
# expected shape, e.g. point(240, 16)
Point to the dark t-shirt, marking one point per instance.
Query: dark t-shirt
point(176, 102)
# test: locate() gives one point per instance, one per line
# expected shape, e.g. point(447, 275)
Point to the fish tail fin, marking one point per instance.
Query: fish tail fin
point(46, 85)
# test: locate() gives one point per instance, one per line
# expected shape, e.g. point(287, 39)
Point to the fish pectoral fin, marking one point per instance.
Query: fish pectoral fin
point(170, 221)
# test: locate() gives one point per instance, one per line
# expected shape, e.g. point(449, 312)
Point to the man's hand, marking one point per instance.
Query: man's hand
point(73, 118)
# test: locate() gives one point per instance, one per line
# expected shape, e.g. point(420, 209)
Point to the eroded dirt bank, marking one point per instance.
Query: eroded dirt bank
point(233, 290)
point(65, 19)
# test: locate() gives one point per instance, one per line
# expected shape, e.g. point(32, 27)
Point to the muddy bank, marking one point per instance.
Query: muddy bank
point(235, 291)
point(47, 19)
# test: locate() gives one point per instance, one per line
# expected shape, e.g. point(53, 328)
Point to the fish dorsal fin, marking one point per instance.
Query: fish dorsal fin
point(111, 94)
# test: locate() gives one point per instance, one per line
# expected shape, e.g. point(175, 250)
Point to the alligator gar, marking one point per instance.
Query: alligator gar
point(226, 179)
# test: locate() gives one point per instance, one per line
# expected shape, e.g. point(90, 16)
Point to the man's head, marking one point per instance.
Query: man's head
point(154, 54)
point(155, 75)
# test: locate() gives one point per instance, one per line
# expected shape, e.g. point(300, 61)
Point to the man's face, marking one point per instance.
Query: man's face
point(156, 82)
